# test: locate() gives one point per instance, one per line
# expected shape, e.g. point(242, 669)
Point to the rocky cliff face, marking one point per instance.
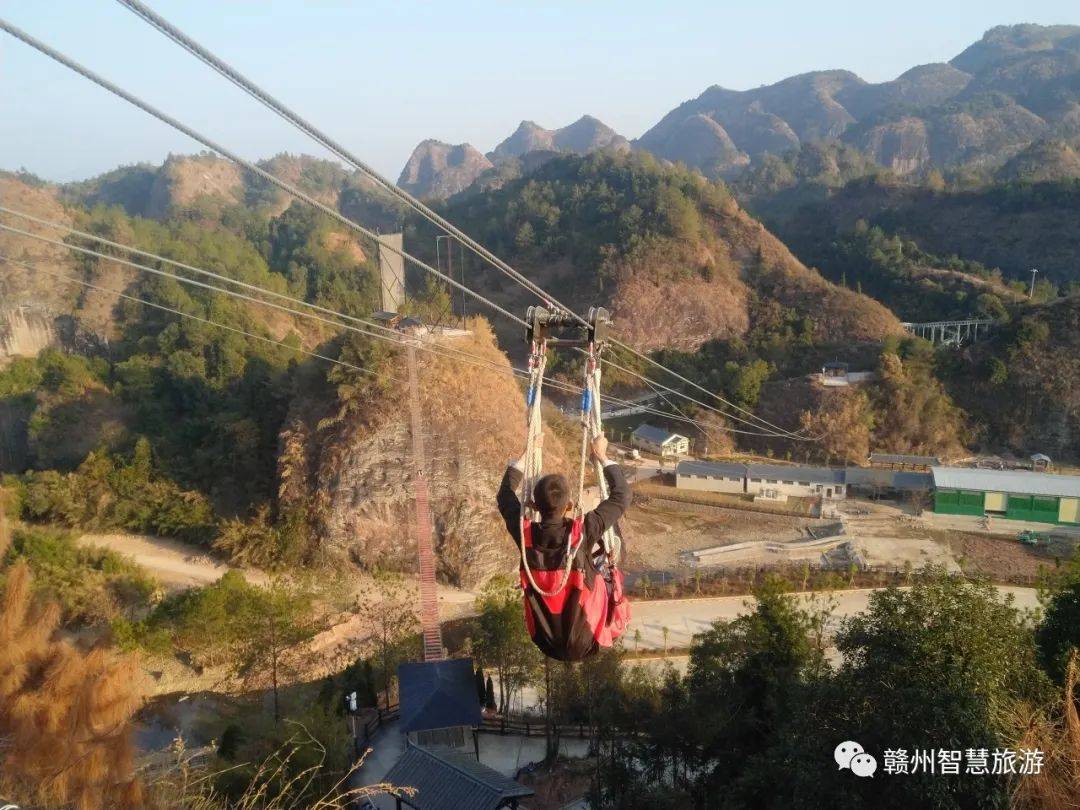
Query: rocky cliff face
point(439, 170)
point(359, 468)
point(701, 142)
point(24, 332)
point(22, 286)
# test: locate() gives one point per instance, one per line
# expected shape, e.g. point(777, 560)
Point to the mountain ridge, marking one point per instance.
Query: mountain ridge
point(1016, 85)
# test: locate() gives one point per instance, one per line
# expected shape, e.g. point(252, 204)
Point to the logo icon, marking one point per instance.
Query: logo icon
point(849, 754)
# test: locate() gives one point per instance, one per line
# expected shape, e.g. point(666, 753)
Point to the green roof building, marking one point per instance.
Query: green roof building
point(1012, 494)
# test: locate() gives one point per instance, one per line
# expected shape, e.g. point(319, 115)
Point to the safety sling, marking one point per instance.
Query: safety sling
point(578, 606)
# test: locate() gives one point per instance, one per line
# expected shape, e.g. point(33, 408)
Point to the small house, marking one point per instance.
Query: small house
point(446, 780)
point(439, 704)
point(660, 442)
point(834, 373)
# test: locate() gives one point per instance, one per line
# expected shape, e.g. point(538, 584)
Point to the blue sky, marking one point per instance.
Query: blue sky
point(381, 76)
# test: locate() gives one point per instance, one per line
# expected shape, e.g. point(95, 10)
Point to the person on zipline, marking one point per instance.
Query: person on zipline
point(590, 610)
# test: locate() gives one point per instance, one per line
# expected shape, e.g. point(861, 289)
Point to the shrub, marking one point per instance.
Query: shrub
point(92, 585)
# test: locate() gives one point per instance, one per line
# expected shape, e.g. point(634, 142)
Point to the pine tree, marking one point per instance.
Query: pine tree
point(65, 715)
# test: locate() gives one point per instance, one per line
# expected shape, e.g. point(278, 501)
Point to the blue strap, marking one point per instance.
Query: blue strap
point(586, 400)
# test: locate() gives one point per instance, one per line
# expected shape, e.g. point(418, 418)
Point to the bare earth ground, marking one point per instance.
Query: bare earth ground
point(176, 565)
point(990, 556)
point(657, 534)
point(885, 533)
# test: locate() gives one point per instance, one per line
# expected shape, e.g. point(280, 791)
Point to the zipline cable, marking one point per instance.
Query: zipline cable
point(207, 57)
point(190, 316)
point(190, 268)
point(104, 83)
point(146, 107)
point(245, 285)
point(393, 337)
point(256, 92)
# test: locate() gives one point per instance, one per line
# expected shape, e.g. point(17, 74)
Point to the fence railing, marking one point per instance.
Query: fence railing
point(524, 726)
point(369, 727)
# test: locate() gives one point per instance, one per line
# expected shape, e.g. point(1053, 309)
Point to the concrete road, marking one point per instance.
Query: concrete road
point(684, 618)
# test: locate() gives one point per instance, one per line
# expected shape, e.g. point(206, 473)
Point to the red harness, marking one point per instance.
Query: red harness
point(588, 613)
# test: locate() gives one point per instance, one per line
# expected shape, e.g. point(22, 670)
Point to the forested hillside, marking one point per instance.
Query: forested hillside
point(139, 419)
point(671, 253)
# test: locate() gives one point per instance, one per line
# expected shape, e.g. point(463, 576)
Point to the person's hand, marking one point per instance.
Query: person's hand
point(599, 448)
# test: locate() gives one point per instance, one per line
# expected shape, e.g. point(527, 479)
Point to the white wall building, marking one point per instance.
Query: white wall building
point(767, 481)
point(779, 482)
point(660, 442)
point(705, 477)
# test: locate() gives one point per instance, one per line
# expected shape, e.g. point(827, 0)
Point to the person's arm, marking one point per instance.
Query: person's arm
point(507, 499)
point(619, 493)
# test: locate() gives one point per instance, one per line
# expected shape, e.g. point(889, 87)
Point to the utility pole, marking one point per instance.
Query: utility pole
point(450, 239)
point(1031, 293)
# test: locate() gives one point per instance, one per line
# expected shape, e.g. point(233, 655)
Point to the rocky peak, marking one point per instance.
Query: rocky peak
point(585, 135)
point(1005, 42)
point(439, 170)
point(528, 137)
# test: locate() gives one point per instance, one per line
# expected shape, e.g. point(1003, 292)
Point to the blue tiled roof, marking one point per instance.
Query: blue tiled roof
point(451, 781)
point(799, 474)
point(438, 694)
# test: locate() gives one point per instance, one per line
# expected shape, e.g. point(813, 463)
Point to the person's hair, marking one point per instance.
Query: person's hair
point(551, 495)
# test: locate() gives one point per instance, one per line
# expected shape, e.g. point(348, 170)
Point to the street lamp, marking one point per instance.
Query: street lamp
point(1031, 293)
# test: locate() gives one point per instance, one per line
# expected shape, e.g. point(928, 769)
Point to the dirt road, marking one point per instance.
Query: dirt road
point(176, 565)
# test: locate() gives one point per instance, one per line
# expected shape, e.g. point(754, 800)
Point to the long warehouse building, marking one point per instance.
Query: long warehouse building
point(1012, 494)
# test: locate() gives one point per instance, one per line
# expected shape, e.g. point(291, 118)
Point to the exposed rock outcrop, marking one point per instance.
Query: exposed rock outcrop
point(359, 467)
point(439, 170)
point(585, 135)
point(24, 331)
point(184, 179)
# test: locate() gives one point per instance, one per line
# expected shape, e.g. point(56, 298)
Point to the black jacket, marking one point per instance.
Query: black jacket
point(567, 626)
point(549, 537)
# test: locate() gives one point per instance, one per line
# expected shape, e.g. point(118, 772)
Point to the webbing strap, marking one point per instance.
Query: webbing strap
point(592, 427)
point(533, 466)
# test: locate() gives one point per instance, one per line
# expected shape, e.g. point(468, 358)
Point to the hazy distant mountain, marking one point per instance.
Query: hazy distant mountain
point(206, 183)
point(585, 135)
point(1017, 85)
point(431, 172)
point(439, 170)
